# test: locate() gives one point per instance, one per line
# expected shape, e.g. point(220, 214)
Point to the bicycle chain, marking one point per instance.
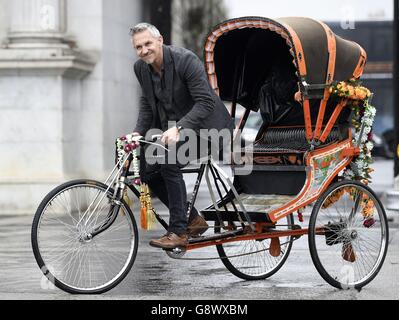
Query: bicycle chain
point(175, 255)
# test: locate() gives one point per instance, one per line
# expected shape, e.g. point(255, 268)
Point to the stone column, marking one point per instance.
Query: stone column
point(35, 22)
point(40, 96)
point(37, 41)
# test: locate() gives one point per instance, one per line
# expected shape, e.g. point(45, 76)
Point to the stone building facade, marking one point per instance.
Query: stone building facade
point(67, 86)
point(67, 90)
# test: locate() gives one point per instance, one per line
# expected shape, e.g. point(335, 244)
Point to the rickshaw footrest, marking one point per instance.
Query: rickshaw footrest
point(212, 215)
point(216, 236)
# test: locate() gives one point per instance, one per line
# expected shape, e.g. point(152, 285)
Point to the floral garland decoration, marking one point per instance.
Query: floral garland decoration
point(357, 98)
point(126, 144)
point(129, 144)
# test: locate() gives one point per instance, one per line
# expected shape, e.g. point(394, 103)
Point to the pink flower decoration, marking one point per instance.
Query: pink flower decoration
point(368, 223)
point(133, 146)
point(370, 136)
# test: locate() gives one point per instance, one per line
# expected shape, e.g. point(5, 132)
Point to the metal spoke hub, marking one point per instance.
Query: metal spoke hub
point(335, 233)
point(85, 238)
point(353, 234)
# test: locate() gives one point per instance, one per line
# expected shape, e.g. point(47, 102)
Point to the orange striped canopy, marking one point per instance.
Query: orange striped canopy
point(239, 52)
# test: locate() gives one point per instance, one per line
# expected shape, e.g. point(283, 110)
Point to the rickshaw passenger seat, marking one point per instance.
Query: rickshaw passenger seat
point(289, 140)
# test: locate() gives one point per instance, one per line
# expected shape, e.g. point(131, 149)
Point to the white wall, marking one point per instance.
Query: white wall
point(30, 146)
point(31, 159)
point(108, 106)
point(121, 89)
point(83, 100)
point(56, 128)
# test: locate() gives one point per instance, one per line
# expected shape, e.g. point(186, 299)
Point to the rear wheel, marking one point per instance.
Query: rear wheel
point(251, 260)
point(66, 247)
point(348, 235)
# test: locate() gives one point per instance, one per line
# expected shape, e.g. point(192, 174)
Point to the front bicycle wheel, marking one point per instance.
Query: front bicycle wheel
point(251, 260)
point(63, 242)
point(348, 235)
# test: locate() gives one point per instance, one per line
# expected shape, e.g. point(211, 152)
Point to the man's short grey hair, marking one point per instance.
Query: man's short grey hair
point(144, 26)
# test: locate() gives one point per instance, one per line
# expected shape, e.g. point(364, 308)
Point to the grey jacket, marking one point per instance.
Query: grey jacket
point(192, 98)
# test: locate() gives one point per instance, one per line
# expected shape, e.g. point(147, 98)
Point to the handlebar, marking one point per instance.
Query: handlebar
point(138, 138)
point(153, 140)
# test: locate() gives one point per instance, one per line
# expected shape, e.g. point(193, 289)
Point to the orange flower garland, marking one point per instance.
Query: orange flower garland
point(357, 98)
point(367, 205)
point(334, 197)
point(351, 90)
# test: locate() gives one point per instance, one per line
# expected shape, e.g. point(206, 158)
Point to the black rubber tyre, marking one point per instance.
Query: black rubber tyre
point(330, 253)
point(39, 241)
point(246, 268)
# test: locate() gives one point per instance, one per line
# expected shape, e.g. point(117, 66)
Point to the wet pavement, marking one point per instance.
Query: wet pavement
point(156, 276)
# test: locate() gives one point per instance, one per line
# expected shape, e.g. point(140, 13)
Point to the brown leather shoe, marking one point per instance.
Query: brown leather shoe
point(197, 227)
point(170, 241)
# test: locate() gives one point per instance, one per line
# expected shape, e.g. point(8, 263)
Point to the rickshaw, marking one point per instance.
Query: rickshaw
point(309, 155)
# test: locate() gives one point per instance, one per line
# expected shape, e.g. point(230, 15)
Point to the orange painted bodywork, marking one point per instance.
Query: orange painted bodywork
point(344, 152)
point(332, 51)
point(308, 119)
point(299, 53)
point(362, 62)
point(332, 121)
point(309, 194)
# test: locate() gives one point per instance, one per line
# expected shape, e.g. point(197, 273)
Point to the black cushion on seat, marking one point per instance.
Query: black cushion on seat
point(289, 140)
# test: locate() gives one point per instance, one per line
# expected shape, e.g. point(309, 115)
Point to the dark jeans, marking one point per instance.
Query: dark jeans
point(169, 177)
point(167, 183)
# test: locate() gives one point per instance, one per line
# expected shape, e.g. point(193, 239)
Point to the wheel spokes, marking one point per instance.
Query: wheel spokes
point(350, 251)
point(72, 256)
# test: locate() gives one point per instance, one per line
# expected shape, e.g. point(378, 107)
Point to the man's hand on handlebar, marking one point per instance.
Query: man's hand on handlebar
point(171, 136)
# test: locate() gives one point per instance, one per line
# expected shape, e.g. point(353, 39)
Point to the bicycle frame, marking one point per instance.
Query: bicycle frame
point(248, 229)
point(206, 168)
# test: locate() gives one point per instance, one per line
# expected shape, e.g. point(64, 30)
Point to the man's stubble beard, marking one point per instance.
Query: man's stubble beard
point(149, 61)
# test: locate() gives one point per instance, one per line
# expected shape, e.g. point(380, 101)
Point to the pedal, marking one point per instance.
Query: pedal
point(176, 253)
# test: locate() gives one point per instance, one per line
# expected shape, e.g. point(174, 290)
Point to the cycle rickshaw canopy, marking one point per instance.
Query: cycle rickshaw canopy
point(240, 55)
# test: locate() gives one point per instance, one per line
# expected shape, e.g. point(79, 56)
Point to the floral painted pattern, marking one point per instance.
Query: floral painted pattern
point(323, 167)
